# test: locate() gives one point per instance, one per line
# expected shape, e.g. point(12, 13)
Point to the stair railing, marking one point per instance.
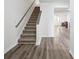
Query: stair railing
point(25, 14)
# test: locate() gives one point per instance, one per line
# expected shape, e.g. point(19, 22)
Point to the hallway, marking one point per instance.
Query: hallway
point(34, 29)
point(48, 49)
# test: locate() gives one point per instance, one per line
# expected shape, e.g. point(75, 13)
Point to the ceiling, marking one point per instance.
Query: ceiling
point(61, 10)
point(56, 1)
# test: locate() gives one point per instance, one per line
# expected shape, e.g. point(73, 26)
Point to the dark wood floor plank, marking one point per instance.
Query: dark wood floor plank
point(31, 53)
point(37, 53)
point(26, 51)
point(12, 51)
point(43, 51)
point(48, 49)
point(18, 53)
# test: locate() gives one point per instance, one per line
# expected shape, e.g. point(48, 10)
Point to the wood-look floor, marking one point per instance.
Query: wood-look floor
point(49, 49)
point(63, 35)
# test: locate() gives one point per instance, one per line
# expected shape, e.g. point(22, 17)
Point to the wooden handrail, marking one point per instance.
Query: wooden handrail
point(24, 14)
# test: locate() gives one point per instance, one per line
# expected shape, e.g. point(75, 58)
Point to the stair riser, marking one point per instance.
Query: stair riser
point(35, 12)
point(28, 28)
point(29, 32)
point(33, 18)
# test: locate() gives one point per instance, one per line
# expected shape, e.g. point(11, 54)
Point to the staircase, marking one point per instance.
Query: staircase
point(29, 33)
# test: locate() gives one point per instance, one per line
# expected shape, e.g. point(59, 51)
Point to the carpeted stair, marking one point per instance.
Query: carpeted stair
point(29, 33)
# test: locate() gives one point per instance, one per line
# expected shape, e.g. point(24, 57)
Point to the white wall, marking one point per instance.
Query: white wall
point(14, 10)
point(61, 17)
point(72, 27)
point(46, 25)
point(37, 3)
point(46, 21)
point(45, 30)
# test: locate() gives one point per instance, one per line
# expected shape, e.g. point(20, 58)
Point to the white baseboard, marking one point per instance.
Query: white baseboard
point(6, 50)
point(71, 53)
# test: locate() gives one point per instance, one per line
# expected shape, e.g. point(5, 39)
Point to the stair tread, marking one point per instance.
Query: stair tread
point(29, 37)
point(31, 23)
point(27, 42)
point(30, 30)
point(25, 39)
point(33, 18)
point(30, 27)
point(24, 34)
point(29, 34)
